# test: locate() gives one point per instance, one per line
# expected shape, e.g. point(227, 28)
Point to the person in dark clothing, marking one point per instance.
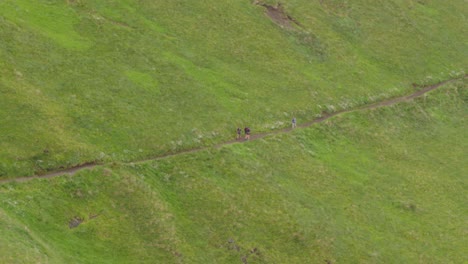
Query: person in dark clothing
point(247, 133)
point(239, 131)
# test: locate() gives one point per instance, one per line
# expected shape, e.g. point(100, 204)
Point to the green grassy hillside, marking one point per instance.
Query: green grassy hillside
point(375, 186)
point(118, 82)
point(84, 81)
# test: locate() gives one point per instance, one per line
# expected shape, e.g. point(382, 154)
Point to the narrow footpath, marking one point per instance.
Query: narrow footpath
point(74, 170)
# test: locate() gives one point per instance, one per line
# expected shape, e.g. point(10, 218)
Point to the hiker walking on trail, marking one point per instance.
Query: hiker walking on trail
point(293, 122)
point(239, 131)
point(247, 133)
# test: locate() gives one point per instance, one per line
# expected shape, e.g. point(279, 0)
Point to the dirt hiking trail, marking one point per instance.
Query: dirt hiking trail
point(90, 165)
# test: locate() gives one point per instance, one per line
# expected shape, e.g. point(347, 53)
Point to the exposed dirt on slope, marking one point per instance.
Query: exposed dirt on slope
point(90, 165)
point(278, 15)
point(75, 222)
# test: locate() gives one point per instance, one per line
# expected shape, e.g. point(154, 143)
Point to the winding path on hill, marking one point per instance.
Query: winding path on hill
point(73, 170)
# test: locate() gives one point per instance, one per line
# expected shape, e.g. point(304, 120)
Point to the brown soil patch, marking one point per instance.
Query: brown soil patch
point(75, 222)
point(278, 15)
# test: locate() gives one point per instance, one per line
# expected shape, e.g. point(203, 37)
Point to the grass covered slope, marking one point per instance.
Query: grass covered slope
point(85, 81)
point(376, 186)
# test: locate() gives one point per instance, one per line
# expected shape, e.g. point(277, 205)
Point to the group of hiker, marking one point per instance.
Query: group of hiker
point(247, 130)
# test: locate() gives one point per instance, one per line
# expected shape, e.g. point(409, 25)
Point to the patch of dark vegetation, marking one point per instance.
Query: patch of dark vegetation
point(232, 245)
point(75, 222)
point(254, 252)
point(245, 255)
point(278, 15)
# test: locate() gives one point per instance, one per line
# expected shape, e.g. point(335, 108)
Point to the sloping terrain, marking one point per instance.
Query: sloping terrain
point(380, 186)
point(119, 83)
point(85, 81)
point(73, 170)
